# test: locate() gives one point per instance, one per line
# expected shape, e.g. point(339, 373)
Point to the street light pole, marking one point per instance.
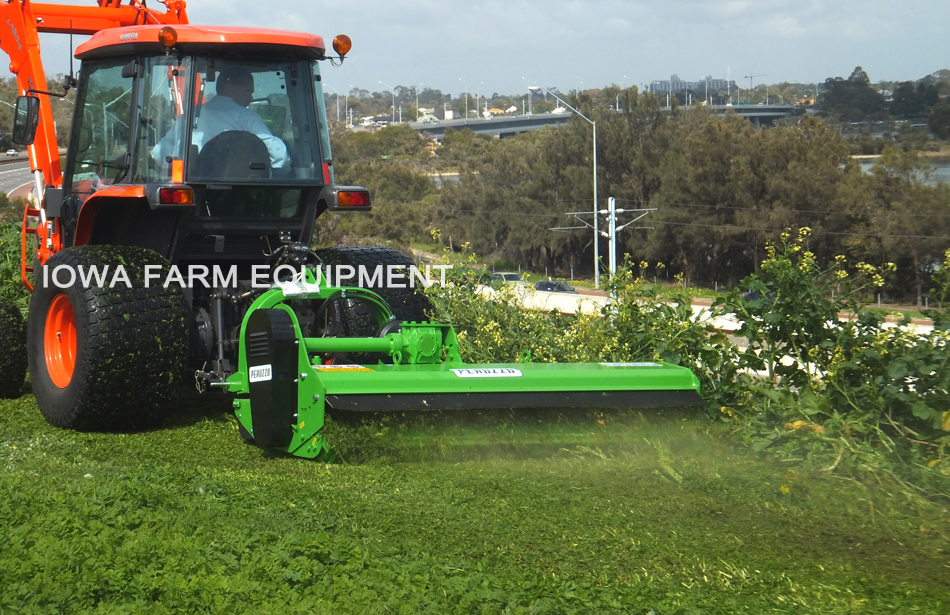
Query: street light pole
point(393, 90)
point(417, 103)
point(337, 100)
point(596, 212)
point(478, 89)
point(466, 97)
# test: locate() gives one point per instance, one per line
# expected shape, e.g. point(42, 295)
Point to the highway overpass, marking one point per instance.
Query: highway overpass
point(501, 126)
point(507, 125)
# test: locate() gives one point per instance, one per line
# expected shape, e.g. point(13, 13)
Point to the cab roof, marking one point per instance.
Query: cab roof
point(144, 39)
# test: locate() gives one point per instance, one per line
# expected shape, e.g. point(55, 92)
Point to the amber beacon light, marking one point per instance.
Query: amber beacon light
point(342, 44)
point(167, 36)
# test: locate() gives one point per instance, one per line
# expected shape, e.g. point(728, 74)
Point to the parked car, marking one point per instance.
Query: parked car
point(553, 286)
point(507, 277)
point(12, 152)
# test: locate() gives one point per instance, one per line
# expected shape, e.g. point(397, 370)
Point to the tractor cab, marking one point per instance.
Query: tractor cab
point(198, 142)
point(202, 120)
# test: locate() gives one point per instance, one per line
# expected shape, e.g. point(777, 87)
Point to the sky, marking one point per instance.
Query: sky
point(490, 46)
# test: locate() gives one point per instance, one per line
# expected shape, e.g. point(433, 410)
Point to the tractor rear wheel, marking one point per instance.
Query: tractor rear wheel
point(12, 350)
point(407, 304)
point(107, 354)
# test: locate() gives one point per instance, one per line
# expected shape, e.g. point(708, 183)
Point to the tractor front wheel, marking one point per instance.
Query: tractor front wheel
point(108, 353)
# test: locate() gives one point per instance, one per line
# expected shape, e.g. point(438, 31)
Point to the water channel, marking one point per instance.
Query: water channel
point(941, 168)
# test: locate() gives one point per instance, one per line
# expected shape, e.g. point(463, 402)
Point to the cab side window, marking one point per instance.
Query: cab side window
point(104, 131)
point(162, 100)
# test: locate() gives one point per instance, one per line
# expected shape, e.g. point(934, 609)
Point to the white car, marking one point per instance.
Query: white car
point(12, 152)
point(508, 277)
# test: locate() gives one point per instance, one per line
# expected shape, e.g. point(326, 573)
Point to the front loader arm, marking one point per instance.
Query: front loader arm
point(63, 19)
point(21, 22)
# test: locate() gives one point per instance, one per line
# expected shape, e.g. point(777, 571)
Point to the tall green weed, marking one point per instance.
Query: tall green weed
point(835, 385)
point(808, 374)
point(10, 286)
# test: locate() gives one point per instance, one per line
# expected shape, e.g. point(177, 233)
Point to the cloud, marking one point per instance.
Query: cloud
point(733, 7)
point(784, 25)
point(564, 42)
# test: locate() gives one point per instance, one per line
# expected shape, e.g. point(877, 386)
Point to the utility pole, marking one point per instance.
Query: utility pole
point(612, 228)
point(612, 234)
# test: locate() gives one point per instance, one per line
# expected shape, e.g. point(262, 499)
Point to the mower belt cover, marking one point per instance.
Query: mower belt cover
point(283, 389)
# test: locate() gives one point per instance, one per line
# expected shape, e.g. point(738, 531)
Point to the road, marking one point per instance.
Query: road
point(15, 175)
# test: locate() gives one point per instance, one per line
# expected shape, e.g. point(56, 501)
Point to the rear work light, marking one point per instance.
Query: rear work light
point(176, 196)
point(354, 198)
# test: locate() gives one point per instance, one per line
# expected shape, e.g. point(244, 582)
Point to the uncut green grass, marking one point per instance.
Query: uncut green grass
point(668, 517)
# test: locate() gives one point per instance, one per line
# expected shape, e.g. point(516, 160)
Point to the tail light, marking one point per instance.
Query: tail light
point(346, 198)
point(352, 198)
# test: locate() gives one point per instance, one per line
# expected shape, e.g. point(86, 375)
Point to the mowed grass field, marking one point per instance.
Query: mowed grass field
point(669, 516)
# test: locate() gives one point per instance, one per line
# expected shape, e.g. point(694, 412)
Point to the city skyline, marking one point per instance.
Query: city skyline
point(488, 47)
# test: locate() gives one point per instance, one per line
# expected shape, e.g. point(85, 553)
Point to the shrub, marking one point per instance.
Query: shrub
point(802, 381)
point(10, 286)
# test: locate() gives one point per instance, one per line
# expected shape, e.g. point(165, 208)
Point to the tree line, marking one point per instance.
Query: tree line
point(721, 191)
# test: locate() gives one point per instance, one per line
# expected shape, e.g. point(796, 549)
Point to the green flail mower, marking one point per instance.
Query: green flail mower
point(285, 381)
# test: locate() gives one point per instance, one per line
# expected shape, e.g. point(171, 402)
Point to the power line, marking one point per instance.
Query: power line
point(773, 230)
point(641, 203)
point(796, 211)
point(721, 226)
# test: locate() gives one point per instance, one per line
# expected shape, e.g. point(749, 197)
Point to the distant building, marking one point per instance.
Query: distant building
point(675, 84)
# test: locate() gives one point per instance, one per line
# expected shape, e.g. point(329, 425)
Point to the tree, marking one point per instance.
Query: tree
point(853, 98)
point(940, 120)
point(910, 217)
point(729, 189)
point(910, 101)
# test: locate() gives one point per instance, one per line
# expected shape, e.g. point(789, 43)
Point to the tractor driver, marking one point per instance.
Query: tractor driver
point(228, 111)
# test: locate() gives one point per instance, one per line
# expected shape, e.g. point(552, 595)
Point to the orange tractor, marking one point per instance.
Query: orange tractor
point(139, 188)
point(203, 153)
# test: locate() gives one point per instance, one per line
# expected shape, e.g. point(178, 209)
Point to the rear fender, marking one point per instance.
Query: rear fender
point(123, 216)
point(90, 208)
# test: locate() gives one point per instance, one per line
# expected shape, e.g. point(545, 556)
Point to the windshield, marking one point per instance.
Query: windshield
point(250, 121)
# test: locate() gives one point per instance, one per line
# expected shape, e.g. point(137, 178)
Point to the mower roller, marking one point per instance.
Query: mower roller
point(285, 382)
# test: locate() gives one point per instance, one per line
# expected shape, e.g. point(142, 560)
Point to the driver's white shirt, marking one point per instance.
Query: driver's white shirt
point(218, 115)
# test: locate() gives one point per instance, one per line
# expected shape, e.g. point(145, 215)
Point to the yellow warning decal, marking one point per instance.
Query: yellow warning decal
point(342, 368)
